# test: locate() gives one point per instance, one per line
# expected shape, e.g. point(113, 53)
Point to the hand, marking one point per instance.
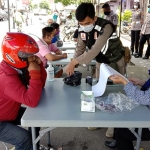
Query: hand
point(64, 55)
point(33, 66)
point(38, 60)
point(70, 69)
point(34, 58)
point(118, 79)
point(136, 81)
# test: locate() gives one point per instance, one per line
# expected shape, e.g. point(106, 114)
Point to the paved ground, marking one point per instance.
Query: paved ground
point(82, 138)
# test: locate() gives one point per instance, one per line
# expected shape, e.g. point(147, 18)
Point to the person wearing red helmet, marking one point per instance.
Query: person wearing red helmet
point(22, 78)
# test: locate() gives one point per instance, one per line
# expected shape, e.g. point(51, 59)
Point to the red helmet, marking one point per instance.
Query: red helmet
point(16, 47)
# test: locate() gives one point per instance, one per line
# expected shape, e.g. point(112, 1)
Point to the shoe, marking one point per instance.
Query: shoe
point(137, 56)
point(111, 144)
point(145, 57)
point(42, 147)
point(110, 132)
point(58, 74)
point(92, 128)
point(12, 148)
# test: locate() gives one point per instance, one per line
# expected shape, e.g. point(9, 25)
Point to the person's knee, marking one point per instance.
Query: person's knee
point(25, 138)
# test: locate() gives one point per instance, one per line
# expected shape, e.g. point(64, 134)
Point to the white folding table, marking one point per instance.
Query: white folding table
point(60, 106)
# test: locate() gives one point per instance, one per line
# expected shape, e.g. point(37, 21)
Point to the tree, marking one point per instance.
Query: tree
point(69, 2)
point(44, 5)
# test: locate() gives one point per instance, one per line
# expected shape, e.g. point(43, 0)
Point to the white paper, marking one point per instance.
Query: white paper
point(105, 72)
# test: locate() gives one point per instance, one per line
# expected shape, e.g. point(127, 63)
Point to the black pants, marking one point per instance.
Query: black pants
point(143, 39)
point(135, 36)
point(124, 137)
point(17, 121)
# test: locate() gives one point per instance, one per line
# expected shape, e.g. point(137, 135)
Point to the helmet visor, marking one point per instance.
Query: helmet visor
point(29, 49)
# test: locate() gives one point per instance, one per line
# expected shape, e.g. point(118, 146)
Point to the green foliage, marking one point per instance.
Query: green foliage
point(127, 15)
point(35, 6)
point(69, 2)
point(44, 5)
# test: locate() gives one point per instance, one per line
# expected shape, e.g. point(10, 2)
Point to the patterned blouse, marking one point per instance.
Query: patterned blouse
point(142, 97)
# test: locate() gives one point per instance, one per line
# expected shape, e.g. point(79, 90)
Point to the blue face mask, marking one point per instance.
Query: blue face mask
point(149, 10)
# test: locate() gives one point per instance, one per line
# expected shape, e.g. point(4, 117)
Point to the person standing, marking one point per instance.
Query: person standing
point(145, 36)
point(18, 20)
point(136, 24)
point(55, 16)
point(109, 14)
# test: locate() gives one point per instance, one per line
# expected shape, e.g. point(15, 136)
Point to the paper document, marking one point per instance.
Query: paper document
point(105, 72)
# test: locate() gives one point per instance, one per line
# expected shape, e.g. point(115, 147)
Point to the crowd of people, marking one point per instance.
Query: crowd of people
point(23, 75)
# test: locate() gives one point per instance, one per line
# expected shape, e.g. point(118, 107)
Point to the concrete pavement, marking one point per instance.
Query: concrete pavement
point(82, 138)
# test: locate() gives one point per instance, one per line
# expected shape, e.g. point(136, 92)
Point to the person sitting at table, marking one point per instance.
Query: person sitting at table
point(123, 136)
point(48, 51)
point(56, 32)
point(22, 78)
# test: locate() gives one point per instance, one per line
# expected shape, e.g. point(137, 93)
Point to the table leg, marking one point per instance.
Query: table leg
point(139, 139)
point(33, 138)
point(48, 139)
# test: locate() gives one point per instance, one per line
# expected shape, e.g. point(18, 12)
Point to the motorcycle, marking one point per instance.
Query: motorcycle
point(126, 28)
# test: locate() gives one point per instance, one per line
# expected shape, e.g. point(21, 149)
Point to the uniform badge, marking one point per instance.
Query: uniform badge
point(83, 36)
point(95, 35)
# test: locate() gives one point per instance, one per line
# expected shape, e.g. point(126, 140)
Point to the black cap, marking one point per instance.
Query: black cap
point(106, 5)
point(148, 6)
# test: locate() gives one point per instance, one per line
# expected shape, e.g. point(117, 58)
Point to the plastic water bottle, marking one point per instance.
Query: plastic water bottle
point(50, 72)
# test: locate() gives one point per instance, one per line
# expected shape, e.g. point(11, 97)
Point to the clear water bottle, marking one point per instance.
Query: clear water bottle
point(50, 72)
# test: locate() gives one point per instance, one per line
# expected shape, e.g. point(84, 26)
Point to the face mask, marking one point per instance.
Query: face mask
point(106, 12)
point(57, 32)
point(149, 10)
point(87, 28)
point(135, 6)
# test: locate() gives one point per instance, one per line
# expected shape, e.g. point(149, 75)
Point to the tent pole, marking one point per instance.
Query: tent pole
point(8, 16)
point(120, 18)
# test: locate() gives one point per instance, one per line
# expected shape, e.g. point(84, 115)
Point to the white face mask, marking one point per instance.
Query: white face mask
point(87, 28)
point(135, 6)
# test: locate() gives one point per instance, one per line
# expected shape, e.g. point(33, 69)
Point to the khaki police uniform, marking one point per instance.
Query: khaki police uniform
point(137, 19)
point(113, 17)
point(85, 57)
point(136, 24)
point(145, 36)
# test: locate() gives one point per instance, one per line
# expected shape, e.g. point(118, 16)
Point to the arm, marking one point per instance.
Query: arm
point(142, 18)
point(52, 57)
point(43, 74)
point(58, 52)
point(18, 92)
point(132, 91)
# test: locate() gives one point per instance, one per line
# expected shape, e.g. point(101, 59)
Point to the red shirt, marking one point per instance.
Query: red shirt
point(13, 93)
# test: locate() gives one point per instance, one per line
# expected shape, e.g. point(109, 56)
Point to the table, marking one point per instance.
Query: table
point(59, 108)
point(67, 60)
point(68, 45)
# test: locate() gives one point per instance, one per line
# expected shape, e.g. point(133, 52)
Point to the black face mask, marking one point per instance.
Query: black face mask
point(107, 12)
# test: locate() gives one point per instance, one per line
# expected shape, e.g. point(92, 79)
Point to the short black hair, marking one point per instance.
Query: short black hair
point(55, 25)
point(84, 10)
point(106, 5)
point(47, 31)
